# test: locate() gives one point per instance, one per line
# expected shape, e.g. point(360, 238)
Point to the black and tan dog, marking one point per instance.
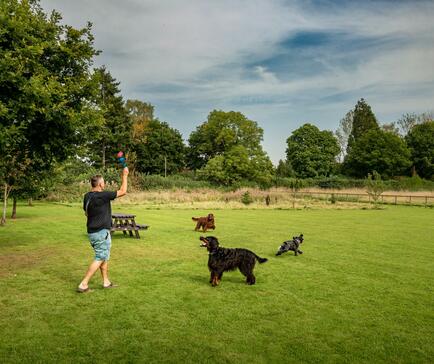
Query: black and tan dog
point(291, 245)
point(223, 259)
point(205, 222)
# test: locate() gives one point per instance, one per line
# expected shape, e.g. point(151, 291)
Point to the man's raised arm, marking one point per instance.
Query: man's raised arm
point(123, 190)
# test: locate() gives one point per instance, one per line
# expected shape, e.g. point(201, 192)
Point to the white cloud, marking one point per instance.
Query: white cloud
point(194, 55)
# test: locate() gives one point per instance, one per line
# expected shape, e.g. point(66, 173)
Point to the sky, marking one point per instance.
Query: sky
point(281, 63)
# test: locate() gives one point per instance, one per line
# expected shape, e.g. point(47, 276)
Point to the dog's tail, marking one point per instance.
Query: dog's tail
point(195, 218)
point(261, 260)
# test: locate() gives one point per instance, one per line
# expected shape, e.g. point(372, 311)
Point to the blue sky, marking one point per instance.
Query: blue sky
point(281, 63)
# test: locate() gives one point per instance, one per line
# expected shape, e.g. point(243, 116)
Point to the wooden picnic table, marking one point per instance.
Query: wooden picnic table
point(126, 222)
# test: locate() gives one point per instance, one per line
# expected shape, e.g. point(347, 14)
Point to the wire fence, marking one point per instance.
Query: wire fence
point(385, 198)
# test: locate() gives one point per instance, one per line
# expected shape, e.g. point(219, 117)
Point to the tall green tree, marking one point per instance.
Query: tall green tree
point(141, 114)
point(114, 131)
point(228, 149)
point(380, 151)
point(222, 131)
point(312, 152)
point(162, 150)
point(45, 89)
point(420, 140)
point(364, 120)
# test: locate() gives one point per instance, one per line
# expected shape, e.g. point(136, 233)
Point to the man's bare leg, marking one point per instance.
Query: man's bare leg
point(93, 267)
point(104, 273)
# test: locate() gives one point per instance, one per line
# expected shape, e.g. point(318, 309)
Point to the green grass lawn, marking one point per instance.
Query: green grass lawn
point(361, 292)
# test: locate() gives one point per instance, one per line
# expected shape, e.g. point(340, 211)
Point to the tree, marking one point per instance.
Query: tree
point(343, 133)
point(221, 132)
point(141, 114)
point(380, 151)
point(420, 140)
point(364, 120)
point(45, 89)
point(235, 166)
point(312, 152)
point(406, 123)
point(390, 128)
point(114, 131)
point(227, 148)
point(284, 169)
point(409, 120)
point(163, 150)
point(374, 186)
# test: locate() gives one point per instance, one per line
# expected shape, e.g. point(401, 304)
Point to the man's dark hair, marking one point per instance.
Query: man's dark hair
point(95, 180)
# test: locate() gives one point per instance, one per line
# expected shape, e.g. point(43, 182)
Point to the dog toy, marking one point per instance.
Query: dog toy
point(121, 159)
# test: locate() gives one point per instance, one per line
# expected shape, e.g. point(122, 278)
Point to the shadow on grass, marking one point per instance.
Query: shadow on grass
point(204, 279)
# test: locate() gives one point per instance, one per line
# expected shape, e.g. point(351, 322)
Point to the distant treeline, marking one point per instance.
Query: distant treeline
point(58, 113)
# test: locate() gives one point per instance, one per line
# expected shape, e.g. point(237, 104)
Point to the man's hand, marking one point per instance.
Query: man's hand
point(123, 190)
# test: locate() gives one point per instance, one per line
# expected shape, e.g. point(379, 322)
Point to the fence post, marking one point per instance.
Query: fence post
point(410, 199)
point(395, 199)
point(426, 201)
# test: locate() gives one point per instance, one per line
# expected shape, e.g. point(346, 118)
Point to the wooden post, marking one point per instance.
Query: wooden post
point(396, 199)
point(426, 201)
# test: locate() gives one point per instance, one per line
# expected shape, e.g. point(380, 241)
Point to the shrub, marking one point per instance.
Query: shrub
point(333, 199)
point(246, 199)
point(375, 186)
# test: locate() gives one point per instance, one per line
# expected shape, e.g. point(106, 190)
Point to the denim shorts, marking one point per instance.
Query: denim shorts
point(101, 242)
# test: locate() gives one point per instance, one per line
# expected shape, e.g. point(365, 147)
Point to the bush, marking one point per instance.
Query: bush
point(246, 199)
point(374, 186)
point(152, 182)
point(333, 199)
point(414, 183)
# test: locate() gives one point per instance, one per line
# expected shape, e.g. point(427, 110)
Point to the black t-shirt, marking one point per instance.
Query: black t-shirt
point(99, 210)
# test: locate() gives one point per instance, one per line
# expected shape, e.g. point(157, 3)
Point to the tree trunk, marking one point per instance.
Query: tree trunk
point(103, 156)
point(30, 201)
point(14, 209)
point(5, 202)
point(413, 171)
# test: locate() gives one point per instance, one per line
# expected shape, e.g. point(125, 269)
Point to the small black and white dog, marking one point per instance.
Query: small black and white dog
point(292, 245)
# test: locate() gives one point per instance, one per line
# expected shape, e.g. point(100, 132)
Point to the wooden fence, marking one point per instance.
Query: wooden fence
point(365, 197)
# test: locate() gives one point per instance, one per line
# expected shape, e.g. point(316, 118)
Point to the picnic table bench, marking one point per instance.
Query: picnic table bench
point(126, 222)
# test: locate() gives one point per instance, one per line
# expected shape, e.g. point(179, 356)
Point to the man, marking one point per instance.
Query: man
point(98, 210)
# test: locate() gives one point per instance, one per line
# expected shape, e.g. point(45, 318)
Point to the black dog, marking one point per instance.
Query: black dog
point(293, 245)
point(222, 259)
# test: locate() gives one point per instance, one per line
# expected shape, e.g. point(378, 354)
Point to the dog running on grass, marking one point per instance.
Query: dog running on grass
point(224, 259)
point(292, 245)
point(206, 222)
